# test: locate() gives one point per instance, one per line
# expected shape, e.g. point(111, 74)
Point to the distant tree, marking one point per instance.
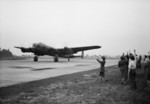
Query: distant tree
point(5, 53)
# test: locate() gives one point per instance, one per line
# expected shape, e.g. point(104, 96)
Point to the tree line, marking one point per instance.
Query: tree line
point(5, 53)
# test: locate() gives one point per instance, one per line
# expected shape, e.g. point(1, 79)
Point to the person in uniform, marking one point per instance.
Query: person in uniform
point(143, 79)
point(102, 68)
point(123, 65)
point(147, 69)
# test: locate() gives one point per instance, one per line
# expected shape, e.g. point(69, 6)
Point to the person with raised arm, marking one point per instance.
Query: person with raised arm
point(102, 68)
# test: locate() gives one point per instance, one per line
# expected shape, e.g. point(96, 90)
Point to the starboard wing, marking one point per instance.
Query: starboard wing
point(78, 49)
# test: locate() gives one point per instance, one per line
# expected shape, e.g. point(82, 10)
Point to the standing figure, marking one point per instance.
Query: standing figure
point(147, 68)
point(123, 65)
point(143, 82)
point(132, 72)
point(138, 64)
point(102, 68)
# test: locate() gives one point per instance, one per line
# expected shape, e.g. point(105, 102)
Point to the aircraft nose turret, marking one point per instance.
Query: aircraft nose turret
point(22, 49)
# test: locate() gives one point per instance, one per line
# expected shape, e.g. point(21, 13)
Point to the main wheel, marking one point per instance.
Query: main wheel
point(35, 58)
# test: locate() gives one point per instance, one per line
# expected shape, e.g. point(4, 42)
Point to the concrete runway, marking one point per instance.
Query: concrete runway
point(18, 71)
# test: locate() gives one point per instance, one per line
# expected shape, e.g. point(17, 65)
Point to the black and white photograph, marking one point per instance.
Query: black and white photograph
point(74, 52)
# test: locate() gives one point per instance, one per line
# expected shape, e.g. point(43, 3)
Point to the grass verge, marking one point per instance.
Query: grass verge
point(79, 88)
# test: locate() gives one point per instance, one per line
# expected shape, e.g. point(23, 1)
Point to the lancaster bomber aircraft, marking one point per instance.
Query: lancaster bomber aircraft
point(40, 49)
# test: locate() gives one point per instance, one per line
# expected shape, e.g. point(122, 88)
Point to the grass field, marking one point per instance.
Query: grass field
point(80, 88)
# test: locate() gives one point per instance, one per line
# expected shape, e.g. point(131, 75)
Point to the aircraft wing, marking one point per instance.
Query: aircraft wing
point(77, 49)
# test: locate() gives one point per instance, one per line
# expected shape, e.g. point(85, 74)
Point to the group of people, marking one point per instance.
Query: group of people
point(129, 64)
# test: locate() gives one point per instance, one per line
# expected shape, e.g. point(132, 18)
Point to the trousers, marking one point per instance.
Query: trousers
point(132, 78)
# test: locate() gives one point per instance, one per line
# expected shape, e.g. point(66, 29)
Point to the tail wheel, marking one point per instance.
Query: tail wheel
point(82, 56)
point(68, 59)
point(55, 58)
point(35, 58)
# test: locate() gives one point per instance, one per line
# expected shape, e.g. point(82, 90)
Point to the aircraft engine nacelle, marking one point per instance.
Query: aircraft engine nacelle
point(26, 50)
point(68, 50)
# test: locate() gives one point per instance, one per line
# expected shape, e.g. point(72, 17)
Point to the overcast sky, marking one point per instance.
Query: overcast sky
point(116, 25)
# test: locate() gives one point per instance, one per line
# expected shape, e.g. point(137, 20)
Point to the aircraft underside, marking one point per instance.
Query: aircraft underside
point(56, 59)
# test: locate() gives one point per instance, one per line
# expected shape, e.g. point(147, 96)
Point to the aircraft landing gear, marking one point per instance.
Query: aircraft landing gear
point(35, 58)
point(68, 59)
point(55, 58)
point(82, 56)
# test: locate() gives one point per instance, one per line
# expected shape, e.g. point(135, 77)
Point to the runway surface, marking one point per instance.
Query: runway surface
point(18, 71)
